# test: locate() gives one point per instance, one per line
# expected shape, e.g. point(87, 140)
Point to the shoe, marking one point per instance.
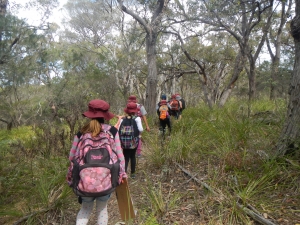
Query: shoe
point(132, 175)
point(138, 155)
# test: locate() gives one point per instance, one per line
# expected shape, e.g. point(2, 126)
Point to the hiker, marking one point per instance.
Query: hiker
point(175, 106)
point(96, 130)
point(163, 113)
point(182, 104)
point(162, 97)
point(141, 113)
point(130, 130)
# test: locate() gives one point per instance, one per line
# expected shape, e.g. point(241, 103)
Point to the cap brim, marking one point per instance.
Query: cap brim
point(105, 115)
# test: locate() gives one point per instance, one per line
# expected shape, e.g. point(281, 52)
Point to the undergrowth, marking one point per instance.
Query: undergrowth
point(233, 150)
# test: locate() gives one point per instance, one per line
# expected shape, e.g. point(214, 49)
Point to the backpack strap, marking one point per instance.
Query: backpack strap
point(79, 134)
point(113, 131)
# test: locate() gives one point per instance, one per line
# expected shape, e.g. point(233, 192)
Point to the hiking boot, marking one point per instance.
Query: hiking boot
point(132, 175)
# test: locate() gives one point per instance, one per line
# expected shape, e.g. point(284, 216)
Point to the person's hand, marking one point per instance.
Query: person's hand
point(148, 128)
point(123, 180)
point(119, 117)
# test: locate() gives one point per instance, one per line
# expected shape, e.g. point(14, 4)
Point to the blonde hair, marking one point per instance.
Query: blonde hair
point(94, 127)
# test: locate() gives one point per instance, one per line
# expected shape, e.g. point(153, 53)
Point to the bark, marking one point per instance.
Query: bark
point(3, 6)
point(290, 135)
point(276, 40)
point(152, 74)
point(238, 67)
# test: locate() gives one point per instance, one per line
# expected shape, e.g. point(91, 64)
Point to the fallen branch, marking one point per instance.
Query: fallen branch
point(254, 214)
point(30, 215)
point(195, 179)
point(257, 217)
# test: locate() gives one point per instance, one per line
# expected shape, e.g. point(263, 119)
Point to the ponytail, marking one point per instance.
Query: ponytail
point(94, 127)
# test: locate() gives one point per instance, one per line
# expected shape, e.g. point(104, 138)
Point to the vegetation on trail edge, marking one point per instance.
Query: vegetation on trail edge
point(228, 154)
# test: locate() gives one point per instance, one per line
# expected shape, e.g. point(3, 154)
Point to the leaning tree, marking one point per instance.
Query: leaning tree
point(290, 135)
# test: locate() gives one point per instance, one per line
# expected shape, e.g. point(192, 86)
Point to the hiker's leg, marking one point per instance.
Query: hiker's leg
point(179, 113)
point(132, 160)
point(169, 125)
point(85, 211)
point(126, 154)
point(101, 210)
point(163, 125)
point(139, 148)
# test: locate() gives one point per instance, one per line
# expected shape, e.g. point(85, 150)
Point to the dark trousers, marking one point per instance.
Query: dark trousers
point(164, 123)
point(175, 113)
point(129, 155)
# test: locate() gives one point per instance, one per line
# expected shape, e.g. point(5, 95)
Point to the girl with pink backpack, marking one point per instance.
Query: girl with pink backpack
point(97, 163)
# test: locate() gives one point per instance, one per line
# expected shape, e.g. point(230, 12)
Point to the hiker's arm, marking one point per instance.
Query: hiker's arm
point(180, 104)
point(117, 125)
point(117, 147)
point(139, 124)
point(73, 152)
point(146, 122)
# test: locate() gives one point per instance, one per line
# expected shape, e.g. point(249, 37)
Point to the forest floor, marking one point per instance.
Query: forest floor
point(172, 181)
point(194, 206)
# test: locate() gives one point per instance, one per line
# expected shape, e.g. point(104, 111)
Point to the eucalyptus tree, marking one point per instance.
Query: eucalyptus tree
point(23, 68)
point(152, 26)
point(111, 44)
point(274, 40)
point(210, 61)
point(290, 134)
point(241, 19)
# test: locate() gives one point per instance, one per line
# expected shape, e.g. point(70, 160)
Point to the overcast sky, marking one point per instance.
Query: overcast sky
point(33, 17)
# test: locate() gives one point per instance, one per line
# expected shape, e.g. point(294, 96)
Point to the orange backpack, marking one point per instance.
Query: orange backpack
point(163, 112)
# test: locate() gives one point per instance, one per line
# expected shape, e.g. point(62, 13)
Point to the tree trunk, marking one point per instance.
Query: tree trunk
point(152, 73)
point(238, 67)
point(290, 136)
point(274, 75)
point(3, 6)
point(252, 78)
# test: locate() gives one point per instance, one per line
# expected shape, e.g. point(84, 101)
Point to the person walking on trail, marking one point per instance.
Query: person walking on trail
point(129, 131)
point(96, 131)
point(141, 113)
point(182, 105)
point(175, 106)
point(162, 97)
point(163, 113)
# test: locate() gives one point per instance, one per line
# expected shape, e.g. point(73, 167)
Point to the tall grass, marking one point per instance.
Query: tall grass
point(237, 151)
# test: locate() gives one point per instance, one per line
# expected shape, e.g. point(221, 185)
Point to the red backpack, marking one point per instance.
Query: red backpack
point(175, 106)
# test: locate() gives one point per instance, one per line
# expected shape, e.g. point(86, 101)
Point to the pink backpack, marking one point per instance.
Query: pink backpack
point(96, 171)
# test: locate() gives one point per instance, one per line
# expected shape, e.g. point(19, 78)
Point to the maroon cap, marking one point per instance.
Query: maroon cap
point(131, 108)
point(132, 98)
point(163, 102)
point(98, 109)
